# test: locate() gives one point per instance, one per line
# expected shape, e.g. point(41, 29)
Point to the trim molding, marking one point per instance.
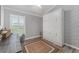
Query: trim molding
point(71, 46)
point(33, 37)
point(57, 43)
point(51, 8)
point(29, 13)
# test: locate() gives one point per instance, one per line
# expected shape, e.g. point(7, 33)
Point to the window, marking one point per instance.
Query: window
point(17, 24)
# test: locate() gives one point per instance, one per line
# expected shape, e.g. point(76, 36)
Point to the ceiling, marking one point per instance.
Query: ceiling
point(47, 8)
point(32, 8)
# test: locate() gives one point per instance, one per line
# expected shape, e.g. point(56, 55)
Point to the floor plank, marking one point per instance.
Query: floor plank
point(10, 45)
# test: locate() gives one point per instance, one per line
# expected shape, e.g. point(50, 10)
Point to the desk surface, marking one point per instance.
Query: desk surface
point(10, 45)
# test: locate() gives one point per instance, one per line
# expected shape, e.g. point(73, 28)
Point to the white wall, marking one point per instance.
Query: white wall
point(53, 27)
point(71, 20)
point(32, 23)
point(0, 15)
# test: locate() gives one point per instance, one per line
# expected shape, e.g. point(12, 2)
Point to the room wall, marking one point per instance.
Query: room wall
point(33, 26)
point(0, 15)
point(71, 24)
point(32, 23)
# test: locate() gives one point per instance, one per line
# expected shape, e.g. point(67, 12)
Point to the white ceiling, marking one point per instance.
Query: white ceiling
point(47, 8)
point(32, 8)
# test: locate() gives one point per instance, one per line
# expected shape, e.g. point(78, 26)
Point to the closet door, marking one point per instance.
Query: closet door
point(49, 27)
point(53, 27)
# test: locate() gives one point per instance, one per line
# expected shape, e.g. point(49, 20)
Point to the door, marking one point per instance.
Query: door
point(53, 27)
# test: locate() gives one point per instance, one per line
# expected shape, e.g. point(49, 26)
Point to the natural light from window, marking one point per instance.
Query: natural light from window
point(17, 23)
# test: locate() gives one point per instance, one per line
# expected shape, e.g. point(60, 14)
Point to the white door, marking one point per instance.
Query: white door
point(53, 27)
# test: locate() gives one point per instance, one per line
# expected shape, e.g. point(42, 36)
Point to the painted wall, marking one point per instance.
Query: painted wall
point(32, 23)
point(71, 26)
point(0, 15)
point(53, 27)
point(33, 26)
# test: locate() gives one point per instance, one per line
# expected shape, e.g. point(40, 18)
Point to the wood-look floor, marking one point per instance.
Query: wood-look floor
point(64, 49)
point(12, 45)
point(37, 45)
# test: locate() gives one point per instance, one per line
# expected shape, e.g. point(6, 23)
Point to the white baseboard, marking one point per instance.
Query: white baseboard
point(33, 37)
point(71, 46)
point(55, 42)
